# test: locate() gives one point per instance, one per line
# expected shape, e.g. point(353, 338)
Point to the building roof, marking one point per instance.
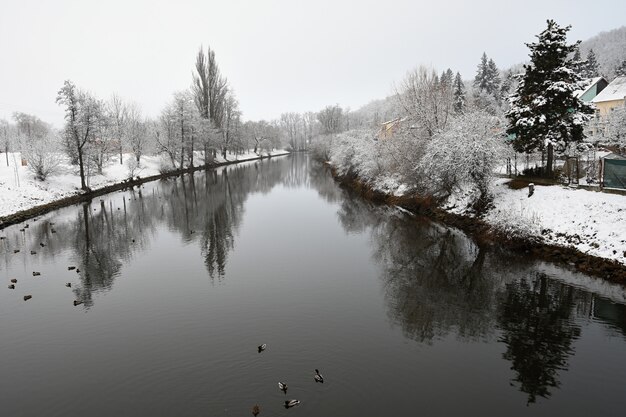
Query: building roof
point(613, 156)
point(616, 90)
point(589, 83)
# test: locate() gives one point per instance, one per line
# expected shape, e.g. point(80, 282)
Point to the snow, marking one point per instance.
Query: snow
point(592, 222)
point(19, 190)
point(616, 90)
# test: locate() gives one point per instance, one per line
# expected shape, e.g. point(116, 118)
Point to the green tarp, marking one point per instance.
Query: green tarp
point(615, 173)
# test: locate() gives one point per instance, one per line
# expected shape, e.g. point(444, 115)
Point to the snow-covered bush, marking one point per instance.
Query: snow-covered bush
point(465, 155)
point(43, 156)
point(356, 152)
point(133, 167)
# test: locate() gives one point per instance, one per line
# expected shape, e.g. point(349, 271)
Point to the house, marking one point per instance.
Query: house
point(388, 128)
point(614, 95)
point(594, 86)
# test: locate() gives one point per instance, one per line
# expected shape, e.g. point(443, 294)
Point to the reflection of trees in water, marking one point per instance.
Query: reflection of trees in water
point(433, 275)
point(438, 282)
point(538, 328)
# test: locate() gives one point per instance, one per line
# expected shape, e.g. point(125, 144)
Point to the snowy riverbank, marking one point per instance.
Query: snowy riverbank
point(592, 223)
point(19, 190)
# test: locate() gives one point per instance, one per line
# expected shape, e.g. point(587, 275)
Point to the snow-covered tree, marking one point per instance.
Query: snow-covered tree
point(424, 101)
point(43, 155)
point(8, 135)
point(82, 115)
point(330, 118)
point(465, 155)
point(459, 94)
point(545, 113)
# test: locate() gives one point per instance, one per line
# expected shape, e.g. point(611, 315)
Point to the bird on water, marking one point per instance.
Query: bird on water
point(318, 377)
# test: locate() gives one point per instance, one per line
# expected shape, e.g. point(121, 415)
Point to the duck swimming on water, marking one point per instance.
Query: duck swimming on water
point(256, 410)
point(262, 347)
point(318, 377)
point(283, 387)
point(291, 403)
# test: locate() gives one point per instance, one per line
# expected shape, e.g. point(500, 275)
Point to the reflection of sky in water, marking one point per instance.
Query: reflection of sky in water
point(181, 277)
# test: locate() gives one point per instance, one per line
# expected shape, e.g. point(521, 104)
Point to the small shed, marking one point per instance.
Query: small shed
point(593, 87)
point(613, 171)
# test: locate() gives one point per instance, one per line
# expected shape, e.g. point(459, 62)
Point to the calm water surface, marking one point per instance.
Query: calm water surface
point(182, 279)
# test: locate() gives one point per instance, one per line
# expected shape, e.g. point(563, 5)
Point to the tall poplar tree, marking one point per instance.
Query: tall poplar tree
point(545, 113)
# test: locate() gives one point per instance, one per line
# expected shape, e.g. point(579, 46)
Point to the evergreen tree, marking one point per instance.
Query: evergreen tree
point(578, 63)
point(545, 113)
point(620, 71)
point(459, 94)
point(591, 66)
point(493, 79)
point(481, 79)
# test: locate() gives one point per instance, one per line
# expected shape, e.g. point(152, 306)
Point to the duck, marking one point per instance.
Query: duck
point(291, 403)
point(16, 251)
point(318, 377)
point(77, 303)
point(27, 297)
point(256, 410)
point(14, 281)
point(68, 285)
point(262, 347)
point(11, 286)
point(71, 268)
point(42, 244)
point(32, 252)
point(283, 387)
point(36, 274)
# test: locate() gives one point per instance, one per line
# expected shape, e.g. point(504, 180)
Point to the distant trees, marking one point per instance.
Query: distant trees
point(620, 70)
point(7, 135)
point(330, 119)
point(590, 67)
point(544, 112)
point(487, 86)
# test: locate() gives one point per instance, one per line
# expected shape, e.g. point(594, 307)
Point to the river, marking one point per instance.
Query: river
point(180, 280)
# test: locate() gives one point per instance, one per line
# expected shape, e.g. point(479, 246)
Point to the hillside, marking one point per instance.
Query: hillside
point(610, 49)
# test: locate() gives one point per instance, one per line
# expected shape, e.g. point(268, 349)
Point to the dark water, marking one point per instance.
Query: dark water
point(183, 279)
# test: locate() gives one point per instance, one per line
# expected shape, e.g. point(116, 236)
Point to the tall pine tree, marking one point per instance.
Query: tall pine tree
point(591, 66)
point(545, 114)
point(459, 94)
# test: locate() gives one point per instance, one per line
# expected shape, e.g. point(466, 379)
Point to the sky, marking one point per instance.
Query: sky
point(278, 55)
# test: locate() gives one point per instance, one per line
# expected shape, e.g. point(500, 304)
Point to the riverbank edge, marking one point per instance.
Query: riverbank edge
point(485, 234)
point(23, 215)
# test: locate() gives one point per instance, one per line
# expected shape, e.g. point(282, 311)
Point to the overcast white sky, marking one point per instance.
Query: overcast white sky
point(278, 55)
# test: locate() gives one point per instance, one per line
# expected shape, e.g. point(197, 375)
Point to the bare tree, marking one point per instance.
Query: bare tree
point(426, 101)
point(118, 113)
point(137, 131)
point(82, 111)
point(330, 119)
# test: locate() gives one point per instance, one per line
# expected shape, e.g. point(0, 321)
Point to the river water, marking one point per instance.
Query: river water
point(180, 281)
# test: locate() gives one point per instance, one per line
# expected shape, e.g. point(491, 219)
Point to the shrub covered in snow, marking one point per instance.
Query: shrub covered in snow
point(43, 156)
point(465, 155)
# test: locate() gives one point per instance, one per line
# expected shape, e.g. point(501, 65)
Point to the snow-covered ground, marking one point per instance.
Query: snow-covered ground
point(19, 190)
point(592, 222)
